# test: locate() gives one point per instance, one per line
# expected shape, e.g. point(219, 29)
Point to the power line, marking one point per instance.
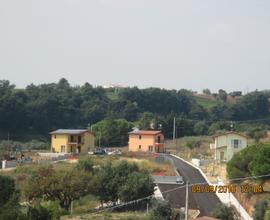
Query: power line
point(180, 187)
point(225, 121)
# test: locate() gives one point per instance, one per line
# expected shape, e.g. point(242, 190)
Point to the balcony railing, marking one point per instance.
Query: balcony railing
point(75, 142)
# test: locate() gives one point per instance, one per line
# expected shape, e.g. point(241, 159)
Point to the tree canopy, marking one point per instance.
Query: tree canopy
point(39, 109)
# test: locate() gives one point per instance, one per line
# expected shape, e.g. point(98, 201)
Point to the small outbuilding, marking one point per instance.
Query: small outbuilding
point(227, 144)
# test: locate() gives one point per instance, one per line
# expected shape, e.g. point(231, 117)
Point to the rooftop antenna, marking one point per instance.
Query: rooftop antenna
point(231, 125)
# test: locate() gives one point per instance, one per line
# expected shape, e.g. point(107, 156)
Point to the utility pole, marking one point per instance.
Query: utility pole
point(174, 130)
point(71, 207)
point(186, 211)
point(99, 139)
point(8, 143)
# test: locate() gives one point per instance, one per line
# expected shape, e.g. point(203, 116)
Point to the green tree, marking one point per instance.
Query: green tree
point(238, 166)
point(201, 128)
point(137, 185)
point(260, 165)
point(222, 95)
point(112, 132)
point(124, 181)
point(105, 185)
point(206, 91)
point(58, 186)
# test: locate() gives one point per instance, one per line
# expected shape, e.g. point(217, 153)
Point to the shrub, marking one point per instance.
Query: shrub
point(193, 144)
point(11, 209)
point(224, 212)
point(38, 212)
point(260, 209)
point(161, 211)
point(7, 188)
point(85, 164)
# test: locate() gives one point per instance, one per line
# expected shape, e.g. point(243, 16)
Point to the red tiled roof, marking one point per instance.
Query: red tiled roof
point(145, 132)
point(206, 218)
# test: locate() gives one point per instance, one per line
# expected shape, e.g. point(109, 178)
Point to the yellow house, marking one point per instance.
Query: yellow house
point(72, 141)
point(146, 141)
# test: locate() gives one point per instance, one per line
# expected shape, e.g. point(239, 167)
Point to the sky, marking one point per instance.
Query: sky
point(173, 44)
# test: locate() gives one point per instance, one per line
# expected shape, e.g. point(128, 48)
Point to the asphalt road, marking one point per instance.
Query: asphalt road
point(205, 202)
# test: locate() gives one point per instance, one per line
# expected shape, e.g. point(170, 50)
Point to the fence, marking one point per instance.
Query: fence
point(48, 159)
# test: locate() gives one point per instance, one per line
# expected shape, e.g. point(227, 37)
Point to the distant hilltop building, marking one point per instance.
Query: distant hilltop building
point(116, 86)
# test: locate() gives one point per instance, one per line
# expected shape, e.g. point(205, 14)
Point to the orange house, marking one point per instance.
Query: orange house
point(146, 141)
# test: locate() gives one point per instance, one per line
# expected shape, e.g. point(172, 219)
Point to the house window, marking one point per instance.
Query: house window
point(79, 139)
point(236, 143)
point(140, 147)
point(54, 136)
point(158, 139)
point(140, 137)
point(62, 148)
point(150, 148)
point(72, 138)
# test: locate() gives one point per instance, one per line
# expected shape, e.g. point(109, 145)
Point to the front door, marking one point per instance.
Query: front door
point(222, 156)
point(79, 149)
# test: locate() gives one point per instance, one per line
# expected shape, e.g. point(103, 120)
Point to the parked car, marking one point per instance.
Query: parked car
point(115, 152)
point(99, 151)
point(179, 180)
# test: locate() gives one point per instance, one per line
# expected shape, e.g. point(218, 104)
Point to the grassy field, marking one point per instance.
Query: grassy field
point(110, 216)
point(206, 103)
point(112, 95)
point(191, 146)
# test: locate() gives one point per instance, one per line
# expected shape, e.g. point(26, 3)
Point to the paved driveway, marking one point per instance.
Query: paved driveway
point(205, 202)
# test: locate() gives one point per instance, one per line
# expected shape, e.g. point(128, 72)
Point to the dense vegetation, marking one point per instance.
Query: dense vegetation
point(262, 210)
point(251, 161)
point(224, 212)
point(47, 192)
point(32, 112)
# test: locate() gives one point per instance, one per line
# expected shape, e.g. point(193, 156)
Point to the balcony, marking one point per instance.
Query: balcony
point(75, 142)
point(159, 144)
point(159, 141)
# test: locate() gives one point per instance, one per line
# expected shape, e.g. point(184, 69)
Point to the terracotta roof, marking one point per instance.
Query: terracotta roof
point(145, 132)
point(229, 132)
point(69, 131)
